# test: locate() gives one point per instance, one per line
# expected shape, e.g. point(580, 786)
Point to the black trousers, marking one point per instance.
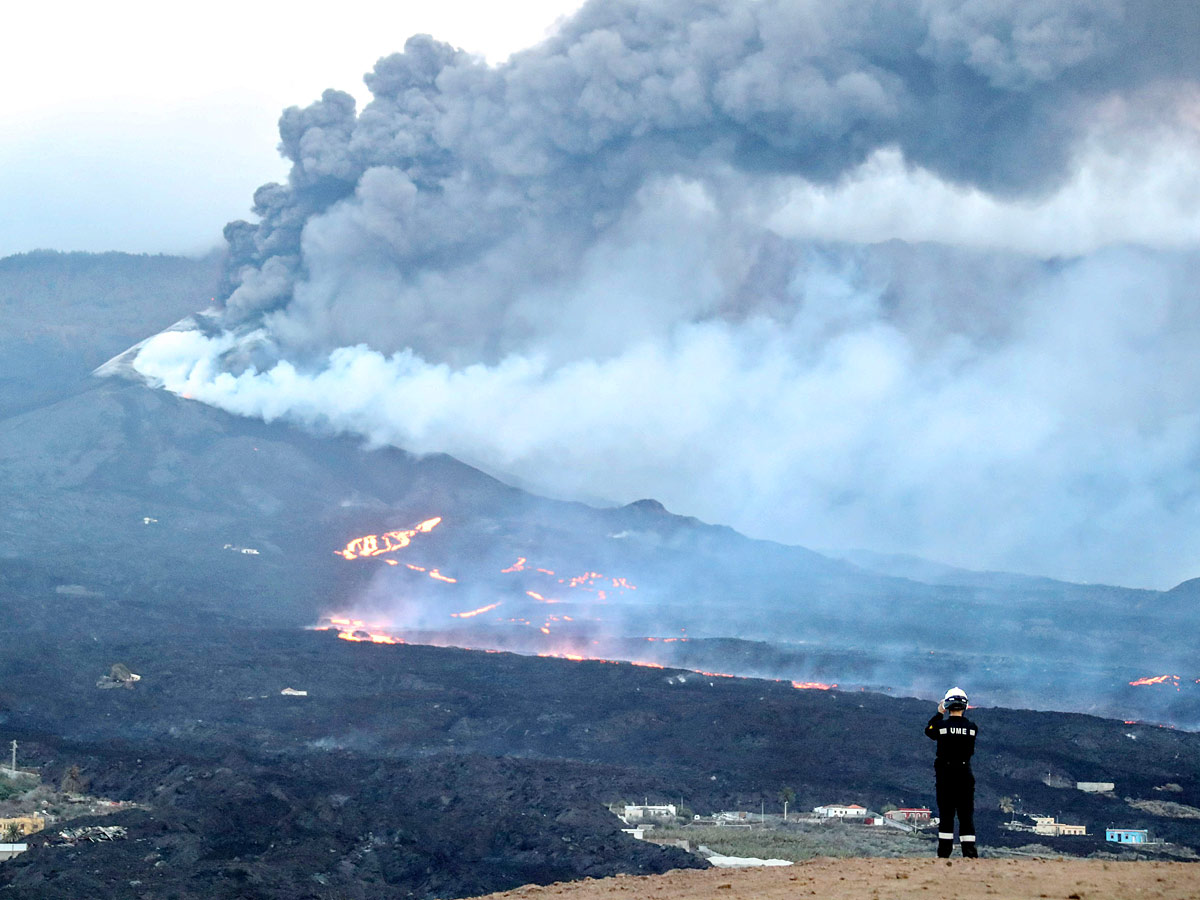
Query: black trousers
point(955, 797)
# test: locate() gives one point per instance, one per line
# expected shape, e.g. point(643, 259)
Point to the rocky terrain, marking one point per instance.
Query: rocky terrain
point(441, 772)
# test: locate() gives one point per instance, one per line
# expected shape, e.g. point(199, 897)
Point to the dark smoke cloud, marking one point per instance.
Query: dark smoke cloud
point(565, 268)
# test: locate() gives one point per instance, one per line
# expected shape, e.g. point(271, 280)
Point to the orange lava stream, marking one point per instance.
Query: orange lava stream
point(376, 544)
point(371, 637)
point(1156, 679)
point(812, 686)
point(357, 630)
point(587, 581)
point(474, 612)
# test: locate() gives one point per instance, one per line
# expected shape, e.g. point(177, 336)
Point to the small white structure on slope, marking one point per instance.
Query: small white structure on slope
point(838, 811)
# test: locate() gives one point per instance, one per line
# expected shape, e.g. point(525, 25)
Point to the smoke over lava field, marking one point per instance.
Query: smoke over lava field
point(194, 517)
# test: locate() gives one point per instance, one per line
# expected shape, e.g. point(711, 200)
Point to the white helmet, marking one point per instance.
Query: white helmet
point(956, 698)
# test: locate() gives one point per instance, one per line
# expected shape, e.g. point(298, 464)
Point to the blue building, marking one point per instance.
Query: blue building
point(1127, 835)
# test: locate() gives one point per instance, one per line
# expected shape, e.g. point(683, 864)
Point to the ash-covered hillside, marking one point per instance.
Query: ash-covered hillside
point(422, 771)
point(128, 507)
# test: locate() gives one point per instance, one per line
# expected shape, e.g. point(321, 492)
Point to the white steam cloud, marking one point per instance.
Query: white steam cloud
point(657, 256)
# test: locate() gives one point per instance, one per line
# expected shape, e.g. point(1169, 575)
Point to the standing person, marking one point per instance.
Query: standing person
point(955, 736)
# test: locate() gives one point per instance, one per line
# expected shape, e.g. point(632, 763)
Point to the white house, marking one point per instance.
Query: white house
point(836, 811)
point(8, 851)
point(640, 813)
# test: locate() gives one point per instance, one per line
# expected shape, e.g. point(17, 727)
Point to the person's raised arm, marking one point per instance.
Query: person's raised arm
point(931, 730)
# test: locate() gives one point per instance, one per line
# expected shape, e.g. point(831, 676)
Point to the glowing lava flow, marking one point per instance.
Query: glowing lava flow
point(357, 630)
point(474, 612)
point(536, 583)
point(589, 581)
point(377, 544)
point(349, 629)
point(1157, 679)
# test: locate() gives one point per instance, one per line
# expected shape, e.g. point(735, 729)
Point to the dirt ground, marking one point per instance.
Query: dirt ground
point(896, 879)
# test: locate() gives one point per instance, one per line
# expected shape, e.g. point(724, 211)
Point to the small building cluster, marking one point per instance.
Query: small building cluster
point(839, 811)
point(643, 818)
point(1048, 826)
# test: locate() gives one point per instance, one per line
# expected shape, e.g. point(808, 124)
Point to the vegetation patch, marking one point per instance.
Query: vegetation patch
point(801, 841)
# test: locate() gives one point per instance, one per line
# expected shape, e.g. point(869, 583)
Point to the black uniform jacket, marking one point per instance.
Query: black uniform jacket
point(955, 736)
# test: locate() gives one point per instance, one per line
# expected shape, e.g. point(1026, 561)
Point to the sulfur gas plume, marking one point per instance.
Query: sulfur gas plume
point(918, 277)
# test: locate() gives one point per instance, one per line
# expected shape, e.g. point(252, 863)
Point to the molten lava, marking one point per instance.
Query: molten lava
point(357, 630)
point(588, 581)
point(554, 636)
point(1156, 679)
point(377, 544)
point(474, 612)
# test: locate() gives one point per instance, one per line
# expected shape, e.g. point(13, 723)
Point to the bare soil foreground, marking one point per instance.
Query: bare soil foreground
point(896, 879)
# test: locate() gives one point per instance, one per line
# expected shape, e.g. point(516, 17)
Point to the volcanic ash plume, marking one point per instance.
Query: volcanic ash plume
point(626, 263)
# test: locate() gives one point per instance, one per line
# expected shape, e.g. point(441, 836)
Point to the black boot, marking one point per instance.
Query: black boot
point(968, 848)
point(945, 846)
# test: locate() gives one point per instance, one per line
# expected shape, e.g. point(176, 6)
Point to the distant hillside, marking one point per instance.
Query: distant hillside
point(65, 313)
point(129, 504)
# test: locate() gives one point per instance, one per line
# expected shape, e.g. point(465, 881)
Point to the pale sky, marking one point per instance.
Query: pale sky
point(145, 127)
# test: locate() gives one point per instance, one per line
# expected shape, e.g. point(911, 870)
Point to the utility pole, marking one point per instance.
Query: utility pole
point(14, 758)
